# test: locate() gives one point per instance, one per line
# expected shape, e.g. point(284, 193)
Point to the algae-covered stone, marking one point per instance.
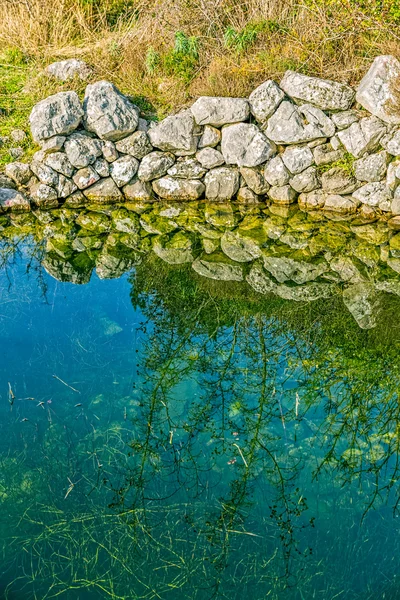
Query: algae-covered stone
point(324, 93)
point(124, 220)
point(94, 221)
point(213, 111)
point(176, 251)
point(218, 270)
point(221, 183)
point(110, 152)
point(345, 267)
point(361, 300)
point(324, 154)
point(287, 269)
point(171, 188)
point(238, 247)
point(153, 223)
point(218, 215)
point(305, 293)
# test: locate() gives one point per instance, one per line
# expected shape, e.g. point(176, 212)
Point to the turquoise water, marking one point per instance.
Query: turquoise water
point(164, 435)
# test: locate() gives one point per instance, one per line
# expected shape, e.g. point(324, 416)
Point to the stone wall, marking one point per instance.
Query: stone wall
point(320, 143)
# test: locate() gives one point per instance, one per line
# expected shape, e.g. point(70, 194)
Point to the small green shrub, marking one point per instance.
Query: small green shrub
point(152, 60)
point(239, 41)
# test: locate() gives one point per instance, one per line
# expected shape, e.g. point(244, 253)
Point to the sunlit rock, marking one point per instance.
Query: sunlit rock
point(59, 114)
point(265, 99)
point(213, 111)
point(218, 270)
point(324, 93)
point(377, 89)
point(362, 302)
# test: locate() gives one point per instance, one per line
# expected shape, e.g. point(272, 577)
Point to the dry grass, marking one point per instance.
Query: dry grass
point(239, 44)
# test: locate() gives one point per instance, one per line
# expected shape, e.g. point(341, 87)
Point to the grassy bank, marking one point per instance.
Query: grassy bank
point(165, 52)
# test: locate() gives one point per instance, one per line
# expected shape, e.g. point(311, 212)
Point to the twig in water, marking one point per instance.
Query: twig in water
point(297, 404)
point(68, 386)
point(241, 454)
point(11, 395)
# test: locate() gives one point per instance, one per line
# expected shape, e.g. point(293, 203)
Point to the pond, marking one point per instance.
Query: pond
point(199, 402)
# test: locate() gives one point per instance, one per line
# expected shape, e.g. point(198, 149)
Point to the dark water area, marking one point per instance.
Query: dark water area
point(201, 404)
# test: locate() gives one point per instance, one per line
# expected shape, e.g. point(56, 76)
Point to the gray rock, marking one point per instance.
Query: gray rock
point(284, 194)
point(138, 191)
point(340, 204)
point(392, 179)
point(143, 125)
point(56, 115)
point(265, 99)
point(238, 247)
point(363, 136)
point(85, 177)
point(287, 269)
point(371, 168)
point(82, 150)
point(187, 168)
point(260, 281)
point(75, 200)
point(210, 158)
point(13, 201)
point(315, 116)
point(70, 68)
point(103, 192)
point(220, 111)
point(373, 194)
point(218, 270)
point(177, 251)
point(59, 162)
point(325, 154)
point(222, 183)
point(108, 113)
point(312, 200)
point(255, 179)
point(109, 150)
point(65, 187)
point(176, 134)
point(16, 152)
point(338, 181)
point(307, 181)
point(53, 144)
point(123, 169)
point(102, 167)
point(286, 126)
point(45, 174)
point(377, 90)
point(155, 165)
point(137, 144)
point(7, 182)
point(362, 302)
point(297, 158)
point(344, 119)
point(326, 94)
point(276, 173)
point(210, 138)
point(247, 196)
point(391, 143)
point(305, 293)
point(18, 172)
point(18, 135)
point(344, 266)
point(245, 145)
point(171, 188)
point(44, 196)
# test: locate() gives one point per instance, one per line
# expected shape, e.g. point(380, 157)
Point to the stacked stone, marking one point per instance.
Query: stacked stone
point(284, 144)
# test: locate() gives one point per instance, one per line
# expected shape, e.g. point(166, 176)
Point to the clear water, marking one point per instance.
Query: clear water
point(166, 435)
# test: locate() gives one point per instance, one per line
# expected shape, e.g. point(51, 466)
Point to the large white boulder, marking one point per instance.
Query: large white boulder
point(208, 110)
point(59, 114)
point(324, 93)
point(377, 90)
point(245, 145)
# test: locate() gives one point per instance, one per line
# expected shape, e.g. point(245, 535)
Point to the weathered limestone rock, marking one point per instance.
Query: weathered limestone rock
point(75, 200)
point(265, 99)
point(343, 120)
point(245, 145)
point(69, 69)
point(123, 169)
point(93, 221)
point(286, 126)
point(260, 281)
point(110, 153)
point(85, 177)
point(176, 134)
point(247, 196)
point(392, 175)
point(371, 168)
point(125, 221)
point(103, 192)
point(155, 165)
point(238, 247)
point(138, 191)
point(13, 201)
point(377, 90)
point(297, 158)
point(283, 194)
point(65, 186)
point(187, 168)
point(221, 183)
point(287, 269)
point(45, 174)
point(363, 136)
point(137, 144)
point(53, 144)
point(18, 172)
point(211, 137)
point(59, 162)
point(276, 173)
point(176, 251)
point(255, 179)
point(171, 188)
point(102, 167)
point(317, 117)
point(312, 200)
point(306, 181)
point(44, 196)
point(220, 111)
point(361, 300)
point(305, 293)
point(338, 181)
point(326, 94)
point(210, 158)
point(59, 114)
point(108, 113)
point(373, 194)
point(82, 150)
point(325, 154)
point(340, 204)
point(7, 182)
point(218, 270)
